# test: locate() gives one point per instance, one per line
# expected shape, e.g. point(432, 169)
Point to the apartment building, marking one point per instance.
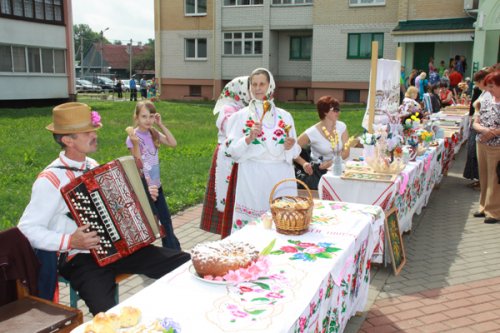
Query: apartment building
point(313, 47)
point(36, 52)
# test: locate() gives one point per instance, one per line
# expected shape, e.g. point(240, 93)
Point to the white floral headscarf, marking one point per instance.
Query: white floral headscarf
point(272, 85)
point(235, 93)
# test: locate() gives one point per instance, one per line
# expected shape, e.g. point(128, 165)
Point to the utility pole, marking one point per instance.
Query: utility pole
point(81, 57)
point(130, 60)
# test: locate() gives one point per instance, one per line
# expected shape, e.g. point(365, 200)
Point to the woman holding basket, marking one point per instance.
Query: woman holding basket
point(261, 138)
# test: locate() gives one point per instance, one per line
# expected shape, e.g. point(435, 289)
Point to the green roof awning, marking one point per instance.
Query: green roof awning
point(464, 23)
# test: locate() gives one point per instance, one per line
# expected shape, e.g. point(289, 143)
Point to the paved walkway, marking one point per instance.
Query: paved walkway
point(451, 281)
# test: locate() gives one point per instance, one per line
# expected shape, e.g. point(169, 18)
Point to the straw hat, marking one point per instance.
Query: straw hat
point(71, 118)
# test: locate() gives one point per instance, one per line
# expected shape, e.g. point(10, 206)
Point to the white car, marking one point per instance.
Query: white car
point(126, 85)
point(87, 86)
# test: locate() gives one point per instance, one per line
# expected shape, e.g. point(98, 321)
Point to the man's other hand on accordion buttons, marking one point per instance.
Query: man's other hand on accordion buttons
point(83, 239)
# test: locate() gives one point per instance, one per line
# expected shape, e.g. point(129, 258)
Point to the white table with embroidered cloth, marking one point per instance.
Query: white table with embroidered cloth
point(316, 281)
point(409, 191)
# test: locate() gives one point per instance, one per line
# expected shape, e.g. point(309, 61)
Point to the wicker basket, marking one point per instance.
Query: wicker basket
point(292, 220)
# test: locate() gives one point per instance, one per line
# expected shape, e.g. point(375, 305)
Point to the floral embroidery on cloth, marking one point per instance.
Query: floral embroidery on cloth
point(307, 251)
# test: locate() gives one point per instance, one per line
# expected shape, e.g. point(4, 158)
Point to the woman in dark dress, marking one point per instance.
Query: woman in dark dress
point(471, 170)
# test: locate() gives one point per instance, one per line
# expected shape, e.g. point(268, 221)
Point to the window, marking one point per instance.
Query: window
point(196, 48)
point(300, 48)
point(59, 61)
point(32, 59)
point(5, 59)
point(352, 96)
point(243, 2)
point(195, 91)
point(47, 61)
point(196, 7)
point(242, 43)
point(19, 57)
point(48, 11)
point(354, 3)
point(300, 94)
point(291, 2)
point(359, 46)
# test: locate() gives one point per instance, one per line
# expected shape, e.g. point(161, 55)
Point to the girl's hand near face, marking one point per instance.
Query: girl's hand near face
point(158, 119)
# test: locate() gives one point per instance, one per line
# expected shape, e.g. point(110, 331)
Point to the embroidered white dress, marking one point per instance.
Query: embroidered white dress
point(224, 163)
point(262, 163)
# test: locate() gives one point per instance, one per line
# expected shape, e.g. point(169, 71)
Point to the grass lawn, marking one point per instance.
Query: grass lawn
point(27, 147)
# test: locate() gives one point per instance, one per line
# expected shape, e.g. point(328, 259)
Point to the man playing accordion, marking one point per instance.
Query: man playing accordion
point(51, 231)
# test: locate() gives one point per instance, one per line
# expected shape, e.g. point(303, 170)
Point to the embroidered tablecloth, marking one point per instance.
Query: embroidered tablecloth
point(409, 192)
point(316, 281)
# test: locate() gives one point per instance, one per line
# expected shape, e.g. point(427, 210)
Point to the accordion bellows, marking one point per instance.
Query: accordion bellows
point(112, 198)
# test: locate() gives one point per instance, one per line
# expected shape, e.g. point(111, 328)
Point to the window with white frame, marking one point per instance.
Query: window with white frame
point(300, 47)
point(291, 2)
point(48, 11)
point(359, 46)
point(5, 58)
point(243, 43)
point(32, 59)
point(243, 2)
point(196, 7)
point(355, 3)
point(196, 48)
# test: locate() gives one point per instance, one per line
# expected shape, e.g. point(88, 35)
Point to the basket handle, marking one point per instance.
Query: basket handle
point(286, 180)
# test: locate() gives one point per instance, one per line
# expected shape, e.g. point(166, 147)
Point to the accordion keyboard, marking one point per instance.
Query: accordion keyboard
point(90, 209)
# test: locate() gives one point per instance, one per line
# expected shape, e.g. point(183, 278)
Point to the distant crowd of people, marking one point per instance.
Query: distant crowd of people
point(147, 88)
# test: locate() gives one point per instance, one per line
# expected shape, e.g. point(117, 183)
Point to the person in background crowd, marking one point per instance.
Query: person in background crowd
point(47, 224)
point(471, 170)
point(431, 67)
point(434, 95)
point(402, 84)
point(445, 95)
point(119, 88)
point(422, 85)
point(319, 138)
point(144, 87)
point(455, 79)
point(445, 77)
point(144, 142)
point(133, 90)
point(411, 78)
point(434, 78)
point(264, 146)
point(442, 68)
point(410, 105)
point(487, 126)
point(233, 98)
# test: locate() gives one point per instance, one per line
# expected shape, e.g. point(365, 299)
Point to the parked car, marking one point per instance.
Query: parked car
point(126, 85)
point(87, 86)
point(105, 83)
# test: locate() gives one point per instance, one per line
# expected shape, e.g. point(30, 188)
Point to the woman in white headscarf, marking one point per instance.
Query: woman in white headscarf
point(264, 145)
point(233, 97)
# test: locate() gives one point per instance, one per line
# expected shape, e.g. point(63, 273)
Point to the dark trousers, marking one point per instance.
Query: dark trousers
point(96, 285)
point(133, 94)
point(170, 240)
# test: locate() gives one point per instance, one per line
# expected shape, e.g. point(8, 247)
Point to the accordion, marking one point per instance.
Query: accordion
point(113, 198)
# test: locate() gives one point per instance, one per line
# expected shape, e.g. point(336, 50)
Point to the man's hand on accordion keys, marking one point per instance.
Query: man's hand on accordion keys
point(153, 190)
point(84, 239)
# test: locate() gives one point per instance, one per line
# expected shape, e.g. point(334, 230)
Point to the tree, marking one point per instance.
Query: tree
point(117, 42)
point(89, 37)
point(146, 59)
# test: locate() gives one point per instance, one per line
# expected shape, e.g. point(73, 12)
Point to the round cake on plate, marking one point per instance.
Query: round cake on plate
point(219, 257)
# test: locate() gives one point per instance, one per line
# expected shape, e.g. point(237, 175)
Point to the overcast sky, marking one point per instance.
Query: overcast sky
point(125, 18)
